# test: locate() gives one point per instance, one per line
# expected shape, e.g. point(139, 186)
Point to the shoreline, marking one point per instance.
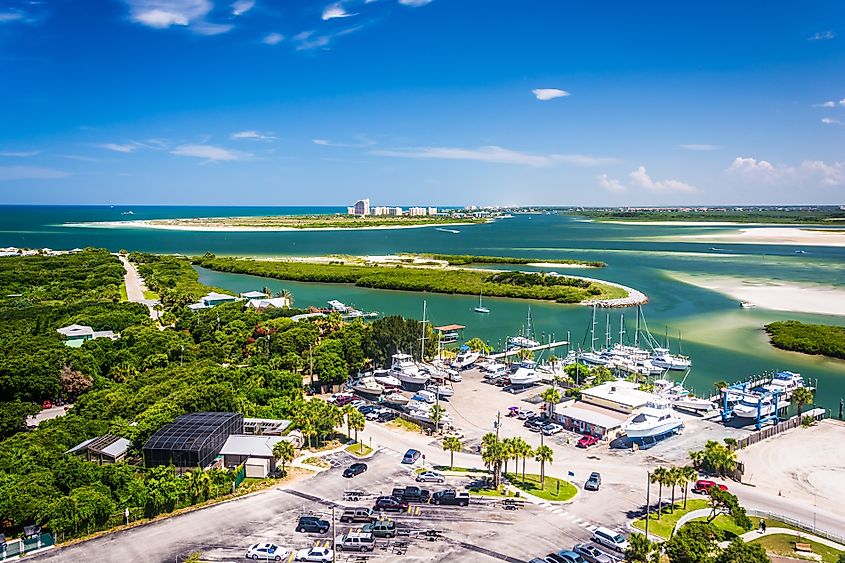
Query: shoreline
point(718, 223)
point(784, 236)
point(148, 224)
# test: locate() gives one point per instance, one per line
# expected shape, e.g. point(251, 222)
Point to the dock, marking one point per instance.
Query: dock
point(516, 351)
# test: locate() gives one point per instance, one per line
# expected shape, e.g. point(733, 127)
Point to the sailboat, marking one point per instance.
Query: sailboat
point(481, 308)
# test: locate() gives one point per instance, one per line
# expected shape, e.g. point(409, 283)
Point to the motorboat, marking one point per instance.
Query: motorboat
point(481, 308)
point(383, 378)
point(423, 413)
point(593, 359)
point(395, 399)
point(679, 397)
point(406, 370)
point(752, 405)
point(655, 420)
point(662, 358)
point(747, 305)
point(521, 342)
point(367, 385)
point(465, 359)
point(784, 381)
point(444, 391)
point(524, 376)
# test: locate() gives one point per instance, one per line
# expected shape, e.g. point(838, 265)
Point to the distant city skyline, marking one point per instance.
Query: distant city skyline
point(421, 102)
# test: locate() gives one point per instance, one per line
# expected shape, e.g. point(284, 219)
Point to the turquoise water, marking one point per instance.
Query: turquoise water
point(724, 341)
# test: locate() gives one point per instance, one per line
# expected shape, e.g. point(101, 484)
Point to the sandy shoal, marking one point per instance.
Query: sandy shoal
point(773, 235)
point(773, 294)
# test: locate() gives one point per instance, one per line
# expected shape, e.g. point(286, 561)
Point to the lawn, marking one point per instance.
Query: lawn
point(151, 295)
point(554, 489)
point(457, 469)
point(405, 425)
point(317, 462)
point(359, 449)
point(783, 544)
point(123, 296)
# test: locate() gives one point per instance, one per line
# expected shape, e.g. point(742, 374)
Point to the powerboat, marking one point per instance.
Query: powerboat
point(663, 359)
point(747, 305)
point(752, 405)
point(383, 378)
point(367, 385)
point(395, 399)
point(444, 391)
point(679, 397)
point(784, 381)
point(406, 370)
point(422, 412)
point(524, 376)
point(655, 420)
point(521, 342)
point(465, 359)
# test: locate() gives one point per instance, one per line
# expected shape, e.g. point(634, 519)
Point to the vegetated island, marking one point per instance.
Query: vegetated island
point(808, 338)
point(291, 222)
point(467, 259)
point(797, 215)
point(431, 278)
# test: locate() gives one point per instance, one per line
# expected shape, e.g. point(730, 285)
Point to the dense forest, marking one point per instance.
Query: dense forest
point(808, 338)
point(435, 280)
point(227, 358)
point(465, 259)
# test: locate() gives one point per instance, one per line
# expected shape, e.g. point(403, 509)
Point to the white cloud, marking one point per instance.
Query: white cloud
point(611, 184)
point(822, 36)
point(240, 7)
point(831, 121)
point(641, 178)
point(583, 159)
point(118, 147)
point(336, 10)
point(209, 152)
point(273, 38)
point(827, 104)
point(815, 172)
point(19, 154)
point(253, 135)
point(324, 142)
point(415, 3)
point(362, 141)
point(162, 14)
point(842, 102)
point(206, 28)
point(492, 154)
point(30, 173)
point(7, 17)
point(699, 147)
point(545, 94)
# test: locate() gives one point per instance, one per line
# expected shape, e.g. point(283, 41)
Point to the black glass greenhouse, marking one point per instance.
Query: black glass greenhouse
point(192, 439)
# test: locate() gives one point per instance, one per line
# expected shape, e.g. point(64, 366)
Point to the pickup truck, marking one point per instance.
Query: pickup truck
point(412, 494)
point(450, 497)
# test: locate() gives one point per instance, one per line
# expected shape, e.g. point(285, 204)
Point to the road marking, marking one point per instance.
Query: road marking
point(291, 556)
point(592, 527)
point(585, 524)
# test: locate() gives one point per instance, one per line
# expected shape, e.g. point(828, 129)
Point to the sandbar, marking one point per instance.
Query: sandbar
point(774, 235)
point(245, 229)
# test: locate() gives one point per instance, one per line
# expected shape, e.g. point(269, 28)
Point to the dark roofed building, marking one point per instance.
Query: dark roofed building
point(192, 440)
point(102, 449)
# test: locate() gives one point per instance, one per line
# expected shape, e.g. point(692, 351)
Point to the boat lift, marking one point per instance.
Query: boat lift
point(746, 389)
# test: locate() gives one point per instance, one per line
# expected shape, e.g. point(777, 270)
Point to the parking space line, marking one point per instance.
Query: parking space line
point(291, 556)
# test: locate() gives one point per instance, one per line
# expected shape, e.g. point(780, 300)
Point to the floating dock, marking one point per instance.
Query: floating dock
point(516, 351)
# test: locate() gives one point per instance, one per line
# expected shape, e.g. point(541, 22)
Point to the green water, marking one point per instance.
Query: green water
point(724, 341)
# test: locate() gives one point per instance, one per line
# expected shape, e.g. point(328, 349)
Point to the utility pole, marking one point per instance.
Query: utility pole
point(498, 423)
point(647, 501)
point(334, 538)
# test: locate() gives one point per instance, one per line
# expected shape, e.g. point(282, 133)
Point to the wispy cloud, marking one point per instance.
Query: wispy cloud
point(699, 147)
point(118, 147)
point(8, 17)
point(641, 178)
point(493, 154)
point(827, 104)
point(831, 121)
point(822, 36)
point(241, 7)
point(79, 157)
point(162, 14)
point(253, 136)
point(336, 10)
point(815, 172)
point(273, 38)
point(546, 94)
point(30, 173)
point(209, 153)
point(415, 3)
point(361, 141)
point(611, 184)
point(19, 154)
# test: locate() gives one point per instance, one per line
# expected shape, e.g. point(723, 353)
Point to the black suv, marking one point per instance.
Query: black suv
point(312, 524)
point(412, 494)
point(355, 469)
point(387, 416)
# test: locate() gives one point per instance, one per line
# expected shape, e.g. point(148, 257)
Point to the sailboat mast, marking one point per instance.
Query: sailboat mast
point(593, 332)
point(637, 333)
point(621, 328)
point(607, 332)
point(422, 340)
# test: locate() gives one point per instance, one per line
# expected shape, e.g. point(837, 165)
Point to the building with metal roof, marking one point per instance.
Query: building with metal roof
point(102, 449)
point(192, 440)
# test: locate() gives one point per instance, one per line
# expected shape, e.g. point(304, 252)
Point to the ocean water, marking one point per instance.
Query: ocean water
point(723, 340)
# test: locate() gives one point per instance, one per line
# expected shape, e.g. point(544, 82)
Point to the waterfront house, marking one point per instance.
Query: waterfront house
point(268, 303)
point(211, 299)
point(253, 295)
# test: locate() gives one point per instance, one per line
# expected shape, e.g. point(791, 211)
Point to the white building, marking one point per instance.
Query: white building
point(360, 208)
point(432, 211)
point(417, 211)
point(621, 396)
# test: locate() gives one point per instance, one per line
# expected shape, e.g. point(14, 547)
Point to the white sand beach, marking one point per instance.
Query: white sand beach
point(800, 236)
point(229, 229)
point(773, 294)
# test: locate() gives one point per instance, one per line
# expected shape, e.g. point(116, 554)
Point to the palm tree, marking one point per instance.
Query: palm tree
point(287, 295)
point(523, 450)
point(802, 396)
point(507, 451)
point(267, 291)
point(492, 456)
point(452, 444)
point(672, 478)
point(543, 454)
point(436, 413)
point(686, 475)
point(357, 421)
point(346, 410)
point(284, 452)
point(659, 476)
point(639, 549)
point(488, 439)
point(718, 386)
point(552, 397)
point(697, 458)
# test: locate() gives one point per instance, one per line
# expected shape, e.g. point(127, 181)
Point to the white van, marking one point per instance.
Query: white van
point(426, 396)
point(611, 539)
point(496, 371)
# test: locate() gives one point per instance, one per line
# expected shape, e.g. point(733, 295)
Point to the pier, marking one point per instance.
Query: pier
point(516, 351)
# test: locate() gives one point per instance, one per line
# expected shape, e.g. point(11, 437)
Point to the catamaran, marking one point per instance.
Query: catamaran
point(481, 308)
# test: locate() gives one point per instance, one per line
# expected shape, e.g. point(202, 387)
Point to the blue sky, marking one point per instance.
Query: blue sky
point(414, 101)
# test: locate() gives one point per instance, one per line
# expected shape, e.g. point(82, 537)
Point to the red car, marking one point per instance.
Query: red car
point(703, 485)
point(344, 400)
point(389, 503)
point(587, 441)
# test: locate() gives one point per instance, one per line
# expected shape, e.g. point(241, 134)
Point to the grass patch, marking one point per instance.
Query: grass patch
point(730, 530)
point(498, 493)
point(784, 544)
point(151, 295)
point(359, 449)
point(123, 295)
point(317, 462)
point(457, 469)
point(405, 425)
point(553, 489)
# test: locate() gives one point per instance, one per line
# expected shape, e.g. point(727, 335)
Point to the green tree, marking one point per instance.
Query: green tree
point(718, 386)
point(723, 502)
point(602, 374)
point(478, 345)
point(641, 550)
point(660, 476)
point(452, 444)
point(673, 478)
point(543, 454)
point(551, 396)
point(436, 414)
point(284, 452)
point(686, 475)
point(802, 396)
point(522, 449)
point(739, 551)
point(493, 454)
point(695, 542)
point(13, 416)
point(357, 421)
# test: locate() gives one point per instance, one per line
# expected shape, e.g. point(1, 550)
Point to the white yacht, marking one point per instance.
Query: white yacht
point(656, 419)
point(395, 399)
point(752, 405)
point(785, 381)
point(521, 342)
point(444, 391)
point(679, 397)
point(524, 376)
point(367, 385)
point(663, 359)
point(422, 412)
point(406, 370)
point(465, 359)
point(383, 378)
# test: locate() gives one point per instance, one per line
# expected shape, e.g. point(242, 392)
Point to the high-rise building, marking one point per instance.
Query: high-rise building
point(417, 211)
point(361, 208)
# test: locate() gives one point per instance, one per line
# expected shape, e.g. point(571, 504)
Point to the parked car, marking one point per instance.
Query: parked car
point(357, 515)
point(524, 415)
point(366, 409)
point(550, 428)
point(430, 476)
point(565, 556)
point(587, 441)
point(609, 538)
point(534, 424)
point(450, 497)
point(391, 503)
point(355, 541)
point(372, 416)
point(354, 469)
point(387, 416)
point(343, 400)
point(411, 456)
point(703, 485)
point(266, 552)
point(317, 554)
point(593, 482)
point(312, 524)
point(593, 554)
point(381, 528)
point(358, 403)
point(412, 494)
